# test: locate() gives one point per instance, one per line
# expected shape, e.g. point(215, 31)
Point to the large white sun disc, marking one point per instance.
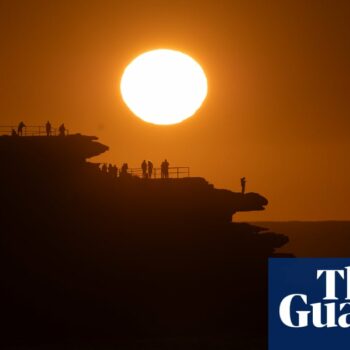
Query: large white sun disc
point(164, 86)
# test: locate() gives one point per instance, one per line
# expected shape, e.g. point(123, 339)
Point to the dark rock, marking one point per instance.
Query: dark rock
point(86, 255)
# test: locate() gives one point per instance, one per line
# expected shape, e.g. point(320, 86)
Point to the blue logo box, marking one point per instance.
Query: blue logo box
point(309, 304)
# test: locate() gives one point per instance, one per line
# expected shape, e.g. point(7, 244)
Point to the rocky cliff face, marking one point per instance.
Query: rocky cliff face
point(87, 254)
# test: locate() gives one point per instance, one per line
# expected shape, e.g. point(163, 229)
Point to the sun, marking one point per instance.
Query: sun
point(164, 86)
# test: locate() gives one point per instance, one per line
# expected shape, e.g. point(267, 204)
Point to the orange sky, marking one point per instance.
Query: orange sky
point(277, 110)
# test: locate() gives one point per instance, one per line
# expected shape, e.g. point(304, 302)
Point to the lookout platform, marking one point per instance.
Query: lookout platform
point(30, 130)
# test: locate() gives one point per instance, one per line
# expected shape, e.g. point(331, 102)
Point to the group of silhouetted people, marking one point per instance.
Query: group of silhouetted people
point(62, 131)
point(19, 131)
point(164, 169)
point(114, 171)
point(147, 169)
point(110, 169)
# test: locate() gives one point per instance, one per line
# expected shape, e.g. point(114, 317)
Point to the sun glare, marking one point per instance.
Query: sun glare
point(163, 86)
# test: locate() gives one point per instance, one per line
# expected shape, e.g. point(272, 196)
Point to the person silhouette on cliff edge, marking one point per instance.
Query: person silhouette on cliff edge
point(115, 171)
point(62, 130)
point(124, 170)
point(110, 169)
point(20, 128)
point(104, 168)
point(243, 183)
point(48, 128)
point(144, 169)
point(165, 169)
point(150, 169)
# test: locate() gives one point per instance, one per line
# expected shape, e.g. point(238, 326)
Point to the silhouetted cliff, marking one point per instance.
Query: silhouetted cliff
point(87, 255)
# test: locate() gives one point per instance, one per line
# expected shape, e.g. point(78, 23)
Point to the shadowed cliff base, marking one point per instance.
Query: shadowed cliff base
point(90, 257)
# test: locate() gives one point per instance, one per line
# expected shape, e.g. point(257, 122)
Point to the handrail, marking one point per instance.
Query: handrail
point(40, 130)
point(30, 130)
point(174, 172)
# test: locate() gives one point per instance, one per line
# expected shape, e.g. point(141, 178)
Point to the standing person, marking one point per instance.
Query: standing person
point(124, 170)
point(20, 128)
point(162, 170)
point(62, 130)
point(48, 128)
point(166, 169)
point(150, 169)
point(115, 171)
point(243, 183)
point(144, 169)
point(110, 169)
point(104, 168)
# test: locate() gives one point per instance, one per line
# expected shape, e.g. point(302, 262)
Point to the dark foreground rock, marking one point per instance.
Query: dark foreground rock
point(88, 257)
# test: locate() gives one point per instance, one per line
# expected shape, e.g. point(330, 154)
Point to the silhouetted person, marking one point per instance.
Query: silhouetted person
point(150, 169)
point(13, 132)
point(124, 169)
point(165, 169)
point(20, 128)
point(104, 168)
point(62, 130)
point(144, 169)
point(110, 169)
point(48, 128)
point(243, 183)
point(115, 171)
point(166, 166)
point(162, 172)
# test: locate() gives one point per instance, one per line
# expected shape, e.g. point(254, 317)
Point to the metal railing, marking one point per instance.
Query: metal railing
point(30, 130)
point(174, 172)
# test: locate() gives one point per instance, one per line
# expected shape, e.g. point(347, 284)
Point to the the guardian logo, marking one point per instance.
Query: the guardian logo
point(309, 304)
point(321, 310)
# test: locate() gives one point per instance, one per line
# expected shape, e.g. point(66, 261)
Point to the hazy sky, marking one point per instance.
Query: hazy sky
point(277, 110)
